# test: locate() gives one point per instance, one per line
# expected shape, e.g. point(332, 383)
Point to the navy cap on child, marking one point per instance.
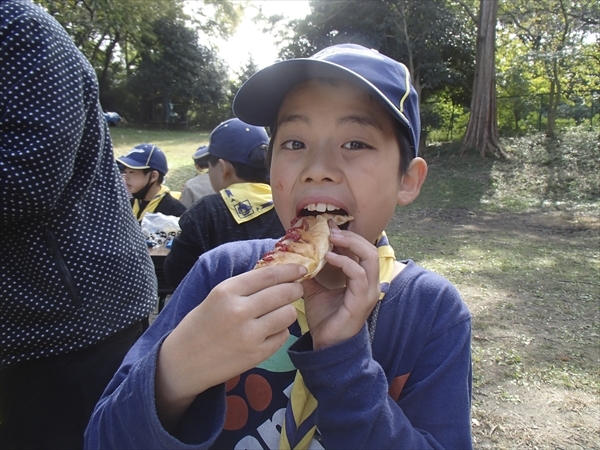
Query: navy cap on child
point(145, 156)
point(200, 153)
point(234, 140)
point(258, 100)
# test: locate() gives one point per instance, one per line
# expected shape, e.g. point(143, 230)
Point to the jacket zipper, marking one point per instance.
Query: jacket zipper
point(63, 270)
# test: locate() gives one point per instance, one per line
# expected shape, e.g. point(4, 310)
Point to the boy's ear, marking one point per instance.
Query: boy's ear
point(153, 176)
point(225, 168)
point(411, 182)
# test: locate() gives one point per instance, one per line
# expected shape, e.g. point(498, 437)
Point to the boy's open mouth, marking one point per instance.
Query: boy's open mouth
point(314, 209)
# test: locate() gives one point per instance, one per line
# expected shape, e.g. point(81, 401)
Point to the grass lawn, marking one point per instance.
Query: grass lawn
point(179, 146)
point(521, 241)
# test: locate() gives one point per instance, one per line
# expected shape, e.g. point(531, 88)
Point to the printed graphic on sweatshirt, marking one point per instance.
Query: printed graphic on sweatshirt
point(256, 402)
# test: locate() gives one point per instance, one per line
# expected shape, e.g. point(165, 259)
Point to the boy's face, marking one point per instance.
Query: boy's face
point(335, 145)
point(135, 179)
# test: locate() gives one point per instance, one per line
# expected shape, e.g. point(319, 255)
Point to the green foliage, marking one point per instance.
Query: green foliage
point(122, 37)
point(107, 31)
point(246, 72)
point(153, 48)
point(217, 18)
point(433, 38)
point(443, 120)
point(179, 70)
point(548, 46)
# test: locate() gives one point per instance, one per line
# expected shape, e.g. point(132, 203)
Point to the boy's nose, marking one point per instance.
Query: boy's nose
point(321, 165)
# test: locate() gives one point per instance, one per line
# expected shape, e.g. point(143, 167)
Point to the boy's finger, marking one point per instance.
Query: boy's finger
point(350, 268)
point(276, 321)
point(348, 243)
point(361, 252)
point(259, 279)
point(273, 297)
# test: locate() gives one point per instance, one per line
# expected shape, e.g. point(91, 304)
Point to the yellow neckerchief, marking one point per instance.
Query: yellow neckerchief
point(246, 201)
point(299, 424)
point(151, 206)
point(202, 171)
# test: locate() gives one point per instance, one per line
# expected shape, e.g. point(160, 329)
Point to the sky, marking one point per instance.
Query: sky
point(249, 39)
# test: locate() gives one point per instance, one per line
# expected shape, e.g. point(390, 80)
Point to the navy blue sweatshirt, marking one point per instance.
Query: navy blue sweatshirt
point(410, 388)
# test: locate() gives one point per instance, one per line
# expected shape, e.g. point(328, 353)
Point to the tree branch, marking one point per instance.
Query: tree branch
point(467, 9)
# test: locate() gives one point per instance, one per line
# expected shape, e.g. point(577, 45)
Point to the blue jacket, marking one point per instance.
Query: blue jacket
point(410, 388)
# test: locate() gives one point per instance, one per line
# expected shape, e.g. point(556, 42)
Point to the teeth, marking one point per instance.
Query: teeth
point(321, 207)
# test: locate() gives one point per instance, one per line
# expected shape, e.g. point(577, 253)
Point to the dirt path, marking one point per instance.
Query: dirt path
point(531, 282)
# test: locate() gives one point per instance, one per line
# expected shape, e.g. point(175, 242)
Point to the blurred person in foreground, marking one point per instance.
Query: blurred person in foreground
point(199, 186)
point(77, 282)
point(242, 207)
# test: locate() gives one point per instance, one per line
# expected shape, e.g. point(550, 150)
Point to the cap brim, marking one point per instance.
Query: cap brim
point(131, 164)
point(200, 154)
point(258, 100)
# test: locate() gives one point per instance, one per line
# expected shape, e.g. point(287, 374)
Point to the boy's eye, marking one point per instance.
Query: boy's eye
point(355, 145)
point(292, 145)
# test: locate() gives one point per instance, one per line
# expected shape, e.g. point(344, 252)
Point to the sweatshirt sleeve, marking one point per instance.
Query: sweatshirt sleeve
point(355, 405)
point(125, 417)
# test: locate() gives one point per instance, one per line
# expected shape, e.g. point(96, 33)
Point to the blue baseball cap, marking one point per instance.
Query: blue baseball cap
point(234, 140)
point(258, 100)
point(201, 153)
point(145, 156)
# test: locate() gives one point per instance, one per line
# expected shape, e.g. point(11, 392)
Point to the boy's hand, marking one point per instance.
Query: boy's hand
point(336, 315)
point(241, 323)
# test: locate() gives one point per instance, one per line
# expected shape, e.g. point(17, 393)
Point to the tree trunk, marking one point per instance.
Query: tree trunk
point(103, 78)
point(482, 130)
point(554, 99)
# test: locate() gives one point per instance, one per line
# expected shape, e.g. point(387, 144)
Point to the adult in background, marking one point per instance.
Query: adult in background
point(77, 281)
point(242, 207)
point(199, 186)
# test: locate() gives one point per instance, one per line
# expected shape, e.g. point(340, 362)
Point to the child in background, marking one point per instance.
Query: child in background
point(199, 186)
point(375, 354)
point(143, 170)
point(242, 207)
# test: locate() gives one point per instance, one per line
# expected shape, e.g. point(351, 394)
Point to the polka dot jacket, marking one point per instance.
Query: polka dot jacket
point(74, 267)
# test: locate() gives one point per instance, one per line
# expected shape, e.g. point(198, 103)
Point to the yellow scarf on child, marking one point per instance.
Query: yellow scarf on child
point(246, 201)
point(151, 206)
point(299, 424)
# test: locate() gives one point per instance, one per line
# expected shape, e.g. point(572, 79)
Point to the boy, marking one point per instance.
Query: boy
point(241, 209)
point(199, 186)
point(386, 360)
point(143, 170)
